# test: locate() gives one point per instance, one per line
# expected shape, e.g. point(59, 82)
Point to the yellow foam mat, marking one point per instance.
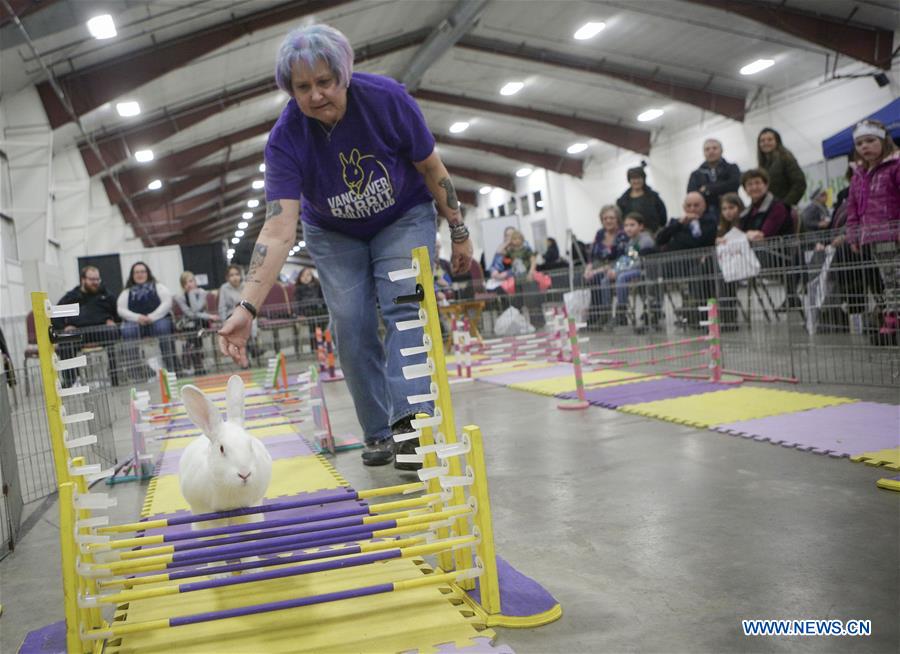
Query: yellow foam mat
point(504, 367)
point(745, 403)
point(889, 458)
point(566, 383)
point(289, 476)
point(888, 484)
point(260, 432)
point(392, 622)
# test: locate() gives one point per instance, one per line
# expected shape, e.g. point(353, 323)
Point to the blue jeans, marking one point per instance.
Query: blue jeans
point(622, 280)
point(161, 328)
point(354, 277)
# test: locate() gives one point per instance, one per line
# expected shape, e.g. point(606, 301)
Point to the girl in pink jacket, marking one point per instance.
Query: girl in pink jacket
point(873, 211)
point(873, 217)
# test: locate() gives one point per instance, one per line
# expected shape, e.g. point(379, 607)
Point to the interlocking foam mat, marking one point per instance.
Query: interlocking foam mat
point(889, 483)
point(614, 396)
point(730, 406)
point(889, 458)
point(843, 430)
point(527, 374)
point(565, 384)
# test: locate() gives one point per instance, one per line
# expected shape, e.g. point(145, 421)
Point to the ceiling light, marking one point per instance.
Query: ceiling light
point(253, 203)
point(155, 185)
point(262, 167)
point(757, 66)
point(511, 88)
point(242, 225)
point(102, 27)
point(461, 126)
point(575, 148)
point(588, 31)
point(301, 244)
point(247, 215)
point(650, 114)
point(484, 190)
point(239, 233)
point(143, 156)
point(524, 172)
point(257, 184)
point(235, 240)
point(128, 108)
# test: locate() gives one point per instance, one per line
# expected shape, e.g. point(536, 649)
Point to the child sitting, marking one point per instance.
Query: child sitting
point(627, 267)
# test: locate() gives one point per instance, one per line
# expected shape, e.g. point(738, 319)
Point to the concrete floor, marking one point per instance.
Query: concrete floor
point(653, 537)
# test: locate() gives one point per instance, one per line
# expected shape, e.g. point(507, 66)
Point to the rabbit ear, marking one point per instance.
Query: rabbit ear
point(342, 158)
point(202, 412)
point(234, 400)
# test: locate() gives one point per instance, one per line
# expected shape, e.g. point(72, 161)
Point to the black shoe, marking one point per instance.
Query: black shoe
point(621, 319)
point(404, 426)
point(378, 454)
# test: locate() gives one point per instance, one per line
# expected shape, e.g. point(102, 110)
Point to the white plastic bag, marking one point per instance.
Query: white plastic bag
point(817, 290)
point(512, 323)
point(736, 260)
point(577, 303)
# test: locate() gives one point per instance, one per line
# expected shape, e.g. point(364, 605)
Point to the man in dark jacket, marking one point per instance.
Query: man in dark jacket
point(695, 229)
point(715, 177)
point(96, 321)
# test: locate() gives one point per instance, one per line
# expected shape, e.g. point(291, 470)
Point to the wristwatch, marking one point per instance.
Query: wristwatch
point(249, 307)
point(459, 233)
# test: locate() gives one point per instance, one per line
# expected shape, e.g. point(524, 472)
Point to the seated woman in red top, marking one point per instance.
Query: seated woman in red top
point(766, 216)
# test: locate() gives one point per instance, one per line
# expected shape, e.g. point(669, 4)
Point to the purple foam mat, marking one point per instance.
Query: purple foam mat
point(528, 375)
point(280, 447)
point(519, 595)
point(843, 430)
point(614, 396)
point(46, 640)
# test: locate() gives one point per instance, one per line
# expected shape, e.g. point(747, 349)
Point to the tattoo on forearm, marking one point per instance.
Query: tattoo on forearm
point(452, 200)
point(256, 262)
point(273, 209)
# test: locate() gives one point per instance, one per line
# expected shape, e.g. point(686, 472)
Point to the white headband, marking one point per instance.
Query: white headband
point(867, 129)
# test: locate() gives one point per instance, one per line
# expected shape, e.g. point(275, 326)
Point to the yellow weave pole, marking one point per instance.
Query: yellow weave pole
point(463, 557)
point(70, 581)
point(489, 583)
point(52, 401)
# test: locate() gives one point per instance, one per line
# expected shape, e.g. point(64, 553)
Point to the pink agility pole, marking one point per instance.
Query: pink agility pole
point(581, 403)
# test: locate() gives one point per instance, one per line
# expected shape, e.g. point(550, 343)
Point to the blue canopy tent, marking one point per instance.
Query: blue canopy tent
point(842, 143)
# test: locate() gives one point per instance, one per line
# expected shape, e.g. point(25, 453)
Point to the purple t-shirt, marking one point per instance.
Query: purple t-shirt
point(362, 177)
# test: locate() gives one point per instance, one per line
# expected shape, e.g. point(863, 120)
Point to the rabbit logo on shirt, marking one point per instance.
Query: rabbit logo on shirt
point(369, 183)
point(359, 169)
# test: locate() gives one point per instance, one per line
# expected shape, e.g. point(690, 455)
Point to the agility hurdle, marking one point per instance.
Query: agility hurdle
point(447, 514)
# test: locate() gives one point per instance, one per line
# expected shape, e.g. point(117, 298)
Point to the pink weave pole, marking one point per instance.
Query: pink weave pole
point(467, 348)
point(581, 402)
point(457, 352)
point(715, 343)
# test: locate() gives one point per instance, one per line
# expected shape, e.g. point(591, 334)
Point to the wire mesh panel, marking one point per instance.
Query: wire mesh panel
point(11, 500)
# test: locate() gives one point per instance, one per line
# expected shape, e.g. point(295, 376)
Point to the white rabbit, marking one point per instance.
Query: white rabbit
point(226, 467)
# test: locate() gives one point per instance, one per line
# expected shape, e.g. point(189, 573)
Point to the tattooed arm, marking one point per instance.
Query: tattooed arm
point(269, 253)
point(438, 181)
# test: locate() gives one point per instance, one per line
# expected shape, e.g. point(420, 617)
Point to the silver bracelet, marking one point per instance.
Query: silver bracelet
point(459, 233)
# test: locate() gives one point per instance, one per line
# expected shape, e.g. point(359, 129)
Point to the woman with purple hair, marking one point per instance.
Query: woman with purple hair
point(352, 155)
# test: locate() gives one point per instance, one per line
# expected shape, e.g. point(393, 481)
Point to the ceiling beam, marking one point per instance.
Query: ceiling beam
point(872, 45)
point(459, 21)
point(118, 144)
point(726, 105)
point(482, 176)
point(135, 179)
point(192, 179)
point(556, 163)
point(174, 212)
point(630, 138)
point(22, 8)
point(90, 87)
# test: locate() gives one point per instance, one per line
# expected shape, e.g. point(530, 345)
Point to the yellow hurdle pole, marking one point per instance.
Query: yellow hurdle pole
point(489, 583)
point(70, 582)
point(48, 377)
point(92, 617)
point(425, 277)
point(445, 559)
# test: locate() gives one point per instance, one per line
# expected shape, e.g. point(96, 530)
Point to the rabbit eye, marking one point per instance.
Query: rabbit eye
point(222, 449)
